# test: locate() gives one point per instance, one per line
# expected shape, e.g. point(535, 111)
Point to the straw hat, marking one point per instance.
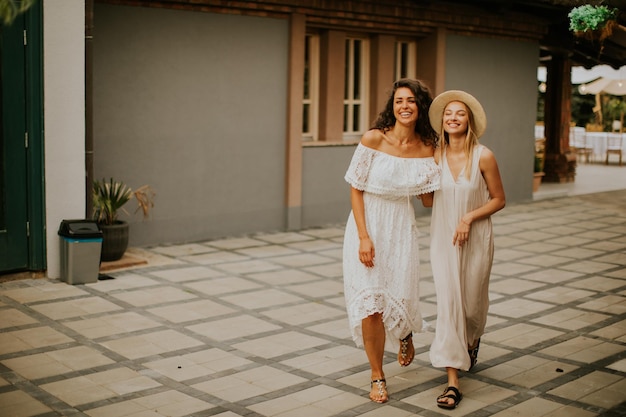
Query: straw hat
point(441, 101)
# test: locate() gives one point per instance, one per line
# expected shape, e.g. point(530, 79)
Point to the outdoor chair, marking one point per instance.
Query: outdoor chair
point(614, 145)
point(616, 126)
point(539, 132)
point(579, 143)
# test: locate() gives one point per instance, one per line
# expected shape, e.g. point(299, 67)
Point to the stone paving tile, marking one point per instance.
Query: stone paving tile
point(153, 296)
point(187, 273)
point(31, 338)
point(56, 362)
point(539, 407)
point(191, 311)
point(570, 319)
point(168, 403)
point(108, 325)
point(11, 317)
point(528, 371)
point(316, 401)
point(149, 344)
point(98, 386)
point(183, 250)
point(78, 307)
point(42, 290)
point(256, 326)
point(197, 364)
point(19, 403)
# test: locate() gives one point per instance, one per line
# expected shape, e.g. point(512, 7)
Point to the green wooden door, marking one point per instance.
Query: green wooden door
point(14, 249)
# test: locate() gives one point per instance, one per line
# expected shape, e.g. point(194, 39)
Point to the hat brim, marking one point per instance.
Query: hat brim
point(435, 113)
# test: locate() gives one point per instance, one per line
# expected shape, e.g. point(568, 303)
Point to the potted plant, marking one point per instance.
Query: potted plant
point(10, 9)
point(615, 109)
point(109, 197)
point(538, 172)
point(592, 22)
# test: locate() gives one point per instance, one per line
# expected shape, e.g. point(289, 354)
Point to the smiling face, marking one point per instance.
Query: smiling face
point(405, 106)
point(455, 118)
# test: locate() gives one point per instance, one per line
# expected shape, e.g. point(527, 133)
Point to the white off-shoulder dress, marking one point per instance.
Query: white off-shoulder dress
point(391, 287)
point(461, 274)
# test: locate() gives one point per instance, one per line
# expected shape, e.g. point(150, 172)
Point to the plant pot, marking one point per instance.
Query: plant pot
point(598, 34)
point(114, 240)
point(537, 180)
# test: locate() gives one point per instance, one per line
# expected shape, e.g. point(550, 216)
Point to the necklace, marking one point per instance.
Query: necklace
point(406, 142)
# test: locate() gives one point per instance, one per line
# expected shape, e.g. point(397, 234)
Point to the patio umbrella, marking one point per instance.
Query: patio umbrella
point(581, 75)
point(604, 85)
point(612, 81)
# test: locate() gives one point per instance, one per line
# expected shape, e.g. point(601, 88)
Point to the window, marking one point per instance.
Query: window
point(354, 103)
point(311, 87)
point(405, 59)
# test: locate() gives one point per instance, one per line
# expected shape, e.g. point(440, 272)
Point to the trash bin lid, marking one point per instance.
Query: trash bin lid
point(79, 229)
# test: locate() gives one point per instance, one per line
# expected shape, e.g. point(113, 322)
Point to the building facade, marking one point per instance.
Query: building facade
point(243, 115)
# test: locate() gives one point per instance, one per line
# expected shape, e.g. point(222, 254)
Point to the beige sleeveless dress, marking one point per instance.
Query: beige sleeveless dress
point(461, 274)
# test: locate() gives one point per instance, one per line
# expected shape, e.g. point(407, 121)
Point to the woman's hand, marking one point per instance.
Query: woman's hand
point(366, 252)
point(461, 234)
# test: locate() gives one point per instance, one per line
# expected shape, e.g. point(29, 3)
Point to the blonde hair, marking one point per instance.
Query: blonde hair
point(471, 140)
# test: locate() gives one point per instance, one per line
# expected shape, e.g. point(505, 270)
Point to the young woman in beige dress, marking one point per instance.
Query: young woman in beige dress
point(462, 247)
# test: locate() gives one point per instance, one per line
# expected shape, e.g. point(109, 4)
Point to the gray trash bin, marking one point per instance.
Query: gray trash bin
point(81, 243)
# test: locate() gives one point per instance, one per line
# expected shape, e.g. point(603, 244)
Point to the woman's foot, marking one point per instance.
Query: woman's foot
point(407, 351)
point(450, 398)
point(378, 392)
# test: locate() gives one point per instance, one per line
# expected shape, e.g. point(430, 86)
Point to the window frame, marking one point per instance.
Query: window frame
point(350, 133)
point(312, 44)
point(409, 57)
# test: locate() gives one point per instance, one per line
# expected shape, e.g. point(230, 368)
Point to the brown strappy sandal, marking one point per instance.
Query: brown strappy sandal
point(404, 351)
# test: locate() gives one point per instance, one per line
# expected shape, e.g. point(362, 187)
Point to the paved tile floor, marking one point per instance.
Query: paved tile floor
point(256, 326)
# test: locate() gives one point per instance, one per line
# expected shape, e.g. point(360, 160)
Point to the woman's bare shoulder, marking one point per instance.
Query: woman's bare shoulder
point(437, 154)
point(487, 159)
point(487, 154)
point(373, 138)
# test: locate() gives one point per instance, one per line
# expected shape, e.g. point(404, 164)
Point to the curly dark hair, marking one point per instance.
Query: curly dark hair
point(386, 119)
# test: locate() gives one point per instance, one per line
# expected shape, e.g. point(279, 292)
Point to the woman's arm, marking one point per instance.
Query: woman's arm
point(490, 172)
point(489, 169)
point(427, 199)
point(366, 247)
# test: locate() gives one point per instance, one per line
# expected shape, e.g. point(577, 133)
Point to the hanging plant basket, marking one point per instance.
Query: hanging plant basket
point(598, 34)
point(594, 23)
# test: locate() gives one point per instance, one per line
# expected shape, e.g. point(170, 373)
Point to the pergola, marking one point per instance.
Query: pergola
point(560, 51)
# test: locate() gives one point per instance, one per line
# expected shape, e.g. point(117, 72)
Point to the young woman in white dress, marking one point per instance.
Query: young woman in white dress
point(392, 163)
point(461, 250)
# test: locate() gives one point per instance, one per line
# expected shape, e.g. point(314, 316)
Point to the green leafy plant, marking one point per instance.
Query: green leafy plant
point(9, 9)
point(110, 196)
point(588, 18)
point(538, 164)
point(614, 108)
point(540, 155)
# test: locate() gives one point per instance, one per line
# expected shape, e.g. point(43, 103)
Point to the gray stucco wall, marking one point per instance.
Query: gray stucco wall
point(193, 104)
point(502, 75)
point(325, 194)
